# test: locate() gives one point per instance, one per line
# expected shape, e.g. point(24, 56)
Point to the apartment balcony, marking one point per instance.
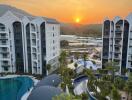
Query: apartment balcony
point(3, 37)
point(130, 45)
point(4, 51)
point(34, 56)
point(105, 57)
point(117, 45)
point(118, 36)
point(34, 44)
point(106, 36)
point(117, 57)
point(4, 44)
point(33, 29)
point(5, 64)
point(2, 30)
point(33, 37)
point(34, 51)
point(130, 58)
point(118, 31)
point(5, 57)
point(117, 51)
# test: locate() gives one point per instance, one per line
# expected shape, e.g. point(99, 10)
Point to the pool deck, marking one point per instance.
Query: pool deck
point(25, 96)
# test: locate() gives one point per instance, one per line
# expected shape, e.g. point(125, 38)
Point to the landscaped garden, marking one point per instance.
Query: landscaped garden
point(103, 84)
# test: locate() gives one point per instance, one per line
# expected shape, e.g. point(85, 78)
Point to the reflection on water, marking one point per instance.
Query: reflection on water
point(14, 88)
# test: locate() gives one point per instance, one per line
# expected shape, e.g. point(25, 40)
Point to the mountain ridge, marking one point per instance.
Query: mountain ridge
point(94, 30)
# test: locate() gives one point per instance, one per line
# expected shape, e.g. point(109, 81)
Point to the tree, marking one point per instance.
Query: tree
point(84, 59)
point(64, 96)
point(75, 65)
point(64, 44)
point(129, 86)
point(48, 67)
point(119, 83)
point(105, 89)
point(84, 96)
point(62, 59)
point(76, 55)
point(112, 68)
point(115, 94)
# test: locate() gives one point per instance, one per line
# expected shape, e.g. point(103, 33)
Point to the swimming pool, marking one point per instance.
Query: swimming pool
point(14, 88)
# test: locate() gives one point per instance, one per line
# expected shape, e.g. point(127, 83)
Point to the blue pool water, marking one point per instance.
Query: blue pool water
point(14, 88)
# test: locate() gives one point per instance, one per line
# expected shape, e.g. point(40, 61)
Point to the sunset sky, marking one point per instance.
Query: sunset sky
point(70, 11)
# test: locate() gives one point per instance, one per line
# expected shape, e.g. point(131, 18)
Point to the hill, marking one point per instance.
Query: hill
point(94, 30)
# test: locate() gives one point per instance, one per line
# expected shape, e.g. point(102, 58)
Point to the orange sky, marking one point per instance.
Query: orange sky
point(88, 11)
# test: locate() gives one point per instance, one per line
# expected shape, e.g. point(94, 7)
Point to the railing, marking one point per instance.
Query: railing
point(2, 30)
point(130, 58)
point(118, 36)
point(2, 51)
point(5, 57)
point(5, 65)
point(117, 57)
point(3, 37)
point(33, 37)
point(3, 43)
point(33, 44)
point(117, 51)
point(117, 43)
point(105, 57)
point(106, 36)
point(118, 30)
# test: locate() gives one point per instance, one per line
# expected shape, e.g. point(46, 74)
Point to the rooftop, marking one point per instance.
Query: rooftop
point(20, 13)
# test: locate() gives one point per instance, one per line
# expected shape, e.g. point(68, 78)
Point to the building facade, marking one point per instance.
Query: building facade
point(117, 42)
point(27, 43)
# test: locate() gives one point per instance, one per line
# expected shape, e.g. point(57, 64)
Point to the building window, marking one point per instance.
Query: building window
point(53, 28)
point(53, 54)
point(18, 55)
point(53, 48)
point(53, 34)
point(53, 41)
point(5, 68)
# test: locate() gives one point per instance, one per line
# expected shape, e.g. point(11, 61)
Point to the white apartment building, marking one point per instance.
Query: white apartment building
point(27, 43)
point(117, 42)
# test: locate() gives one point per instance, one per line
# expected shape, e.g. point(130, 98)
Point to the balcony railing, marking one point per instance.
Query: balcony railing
point(106, 36)
point(118, 36)
point(33, 37)
point(5, 57)
point(117, 51)
point(33, 44)
point(5, 64)
point(117, 57)
point(2, 51)
point(2, 30)
point(118, 31)
point(105, 57)
point(130, 58)
point(3, 37)
point(3, 43)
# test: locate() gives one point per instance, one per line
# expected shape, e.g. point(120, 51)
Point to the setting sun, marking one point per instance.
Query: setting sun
point(77, 20)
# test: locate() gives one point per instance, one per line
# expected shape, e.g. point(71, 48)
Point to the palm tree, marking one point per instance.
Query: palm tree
point(48, 67)
point(84, 59)
point(119, 83)
point(115, 94)
point(62, 59)
point(75, 65)
point(64, 96)
point(76, 55)
point(112, 68)
point(128, 87)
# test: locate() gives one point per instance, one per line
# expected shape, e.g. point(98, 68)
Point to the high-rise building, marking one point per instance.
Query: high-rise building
point(117, 42)
point(27, 43)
